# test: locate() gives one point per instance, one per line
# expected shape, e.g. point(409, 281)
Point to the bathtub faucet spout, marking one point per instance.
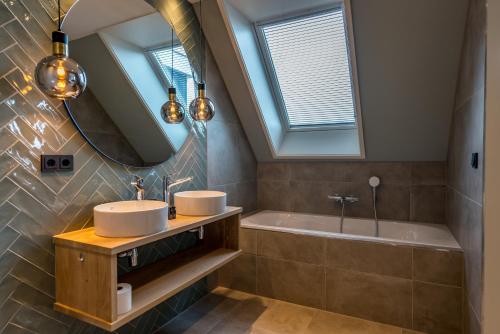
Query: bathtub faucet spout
point(343, 200)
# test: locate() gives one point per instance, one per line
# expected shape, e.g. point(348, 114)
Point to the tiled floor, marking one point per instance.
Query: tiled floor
point(226, 311)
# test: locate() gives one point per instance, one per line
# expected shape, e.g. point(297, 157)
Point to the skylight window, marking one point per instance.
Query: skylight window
point(183, 78)
point(309, 64)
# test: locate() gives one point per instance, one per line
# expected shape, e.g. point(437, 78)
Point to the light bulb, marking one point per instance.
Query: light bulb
point(202, 108)
point(57, 75)
point(172, 111)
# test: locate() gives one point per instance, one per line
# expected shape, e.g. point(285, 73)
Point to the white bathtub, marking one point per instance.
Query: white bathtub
point(394, 232)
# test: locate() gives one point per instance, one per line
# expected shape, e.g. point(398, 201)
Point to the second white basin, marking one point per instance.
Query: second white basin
point(130, 218)
point(200, 203)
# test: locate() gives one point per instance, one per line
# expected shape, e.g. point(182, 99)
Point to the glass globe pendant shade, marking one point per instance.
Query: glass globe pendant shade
point(172, 111)
point(58, 75)
point(202, 108)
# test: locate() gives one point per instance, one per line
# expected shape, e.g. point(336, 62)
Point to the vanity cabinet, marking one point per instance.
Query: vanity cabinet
point(86, 268)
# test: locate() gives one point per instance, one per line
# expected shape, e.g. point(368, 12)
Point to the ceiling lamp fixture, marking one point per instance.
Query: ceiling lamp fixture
point(172, 111)
point(58, 75)
point(202, 108)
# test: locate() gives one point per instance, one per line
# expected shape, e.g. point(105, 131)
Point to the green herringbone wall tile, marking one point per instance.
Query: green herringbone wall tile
point(33, 207)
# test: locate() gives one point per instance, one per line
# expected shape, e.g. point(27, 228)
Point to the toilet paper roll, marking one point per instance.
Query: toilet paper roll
point(124, 298)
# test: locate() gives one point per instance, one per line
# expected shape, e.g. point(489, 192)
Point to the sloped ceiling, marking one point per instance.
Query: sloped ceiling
point(408, 55)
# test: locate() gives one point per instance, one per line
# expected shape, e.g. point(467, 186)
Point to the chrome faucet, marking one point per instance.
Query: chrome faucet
point(343, 200)
point(167, 197)
point(132, 255)
point(138, 184)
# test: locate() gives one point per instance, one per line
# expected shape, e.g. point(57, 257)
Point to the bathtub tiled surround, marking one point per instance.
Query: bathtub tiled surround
point(416, 288)
point(465, 184)
point(408, 191)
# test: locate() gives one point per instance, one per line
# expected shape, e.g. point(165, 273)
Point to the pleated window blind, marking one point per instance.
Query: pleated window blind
point(183, 79)
point(309, 58)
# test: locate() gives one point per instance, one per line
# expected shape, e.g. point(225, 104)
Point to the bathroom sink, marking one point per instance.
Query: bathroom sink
point(130, 218)
point(200, 203)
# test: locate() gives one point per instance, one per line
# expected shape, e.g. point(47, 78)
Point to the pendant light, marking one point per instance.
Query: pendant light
point(58, 75)
point(172, 111)
point(202, 108)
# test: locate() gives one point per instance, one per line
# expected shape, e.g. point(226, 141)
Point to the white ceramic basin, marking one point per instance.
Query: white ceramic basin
point(200, 203)
point(130, 218)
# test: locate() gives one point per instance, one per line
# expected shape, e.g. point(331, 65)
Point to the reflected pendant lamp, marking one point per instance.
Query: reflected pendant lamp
point(58, 75)
point(202, 108)
point(172, 111)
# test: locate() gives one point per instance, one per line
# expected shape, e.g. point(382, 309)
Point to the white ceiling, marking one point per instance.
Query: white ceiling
point(86, 20)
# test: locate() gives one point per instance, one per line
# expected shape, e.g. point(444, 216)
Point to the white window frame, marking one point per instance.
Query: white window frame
point(273, 79)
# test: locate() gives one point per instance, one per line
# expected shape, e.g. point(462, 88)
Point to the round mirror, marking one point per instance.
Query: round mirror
point(127, 49)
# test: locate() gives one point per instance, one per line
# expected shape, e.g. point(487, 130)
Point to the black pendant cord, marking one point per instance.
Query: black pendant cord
point(59, 15)
point(172, 56)
point(202, 43)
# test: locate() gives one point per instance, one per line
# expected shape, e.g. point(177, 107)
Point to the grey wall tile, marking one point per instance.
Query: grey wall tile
point(304, 187)
point(428, 173)
point(428, 203)
point(274, 195)
point(369, 257)
point(312, 197)
point(374, 297)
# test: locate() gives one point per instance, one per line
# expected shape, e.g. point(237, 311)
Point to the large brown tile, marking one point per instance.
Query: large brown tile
point(216, 304)
point(273, 171)
point(248, 240)
point(369, 257)
point(285, 318)
point(428, 204)
point(394, 173)
point(393, 202)
point(273, 195)
point(364, 207)
point(368, 296)
point(312, 197)
point(241, 319)
point(318, 171)
point(437, 309)
point(240, 274)
point(289, 246)
point(189, 322)
point(295, 282)
point(438, 266)
point(328, 323)
point(428, 173)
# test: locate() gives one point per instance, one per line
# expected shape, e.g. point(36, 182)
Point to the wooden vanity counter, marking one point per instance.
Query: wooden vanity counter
point(86, 268)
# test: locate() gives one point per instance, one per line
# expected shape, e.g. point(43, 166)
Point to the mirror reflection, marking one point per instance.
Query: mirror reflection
point(127, 53)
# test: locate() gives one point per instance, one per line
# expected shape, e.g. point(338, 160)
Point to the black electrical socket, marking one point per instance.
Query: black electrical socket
point(50, 163)
point(66, 163)
point(56, 163)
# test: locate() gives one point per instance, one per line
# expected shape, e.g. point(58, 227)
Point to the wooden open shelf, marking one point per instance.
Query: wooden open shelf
point(86, 268)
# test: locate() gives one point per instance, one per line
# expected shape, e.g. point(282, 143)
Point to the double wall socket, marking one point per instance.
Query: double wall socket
point(57, 163)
